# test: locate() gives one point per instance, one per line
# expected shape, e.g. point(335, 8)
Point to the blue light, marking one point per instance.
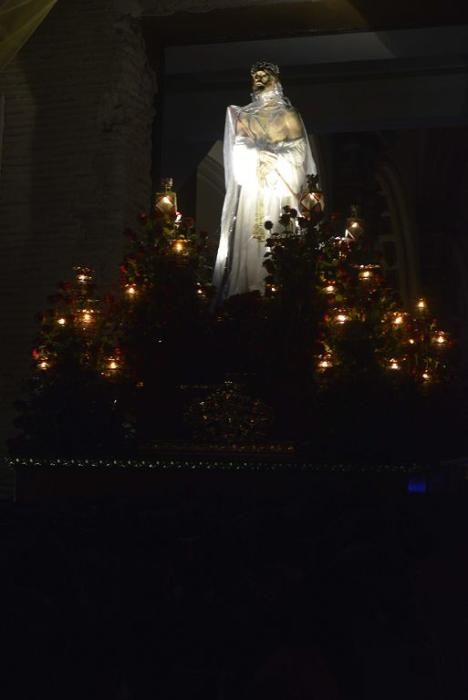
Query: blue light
point(417, 484)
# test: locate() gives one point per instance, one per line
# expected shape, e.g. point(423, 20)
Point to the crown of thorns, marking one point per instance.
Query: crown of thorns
point(264, 65)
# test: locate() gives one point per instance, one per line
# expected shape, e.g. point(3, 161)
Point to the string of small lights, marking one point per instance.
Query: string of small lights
point(203, 465)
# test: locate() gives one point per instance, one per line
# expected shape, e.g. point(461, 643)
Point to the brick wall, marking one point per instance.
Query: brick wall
point(76, 164)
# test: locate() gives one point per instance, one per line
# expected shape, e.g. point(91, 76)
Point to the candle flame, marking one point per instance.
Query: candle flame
point(421, 304)
point(179, 246)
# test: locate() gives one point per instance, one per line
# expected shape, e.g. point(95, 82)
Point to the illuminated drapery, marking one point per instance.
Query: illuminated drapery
point(266, 158)
point(18, 21)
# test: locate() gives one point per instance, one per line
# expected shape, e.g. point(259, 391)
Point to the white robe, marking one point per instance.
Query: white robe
point(262, 177)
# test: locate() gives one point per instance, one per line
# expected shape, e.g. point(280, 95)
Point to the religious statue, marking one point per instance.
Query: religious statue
point(266, 159)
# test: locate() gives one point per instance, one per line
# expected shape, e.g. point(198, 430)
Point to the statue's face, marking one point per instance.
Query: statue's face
point(262, 80)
